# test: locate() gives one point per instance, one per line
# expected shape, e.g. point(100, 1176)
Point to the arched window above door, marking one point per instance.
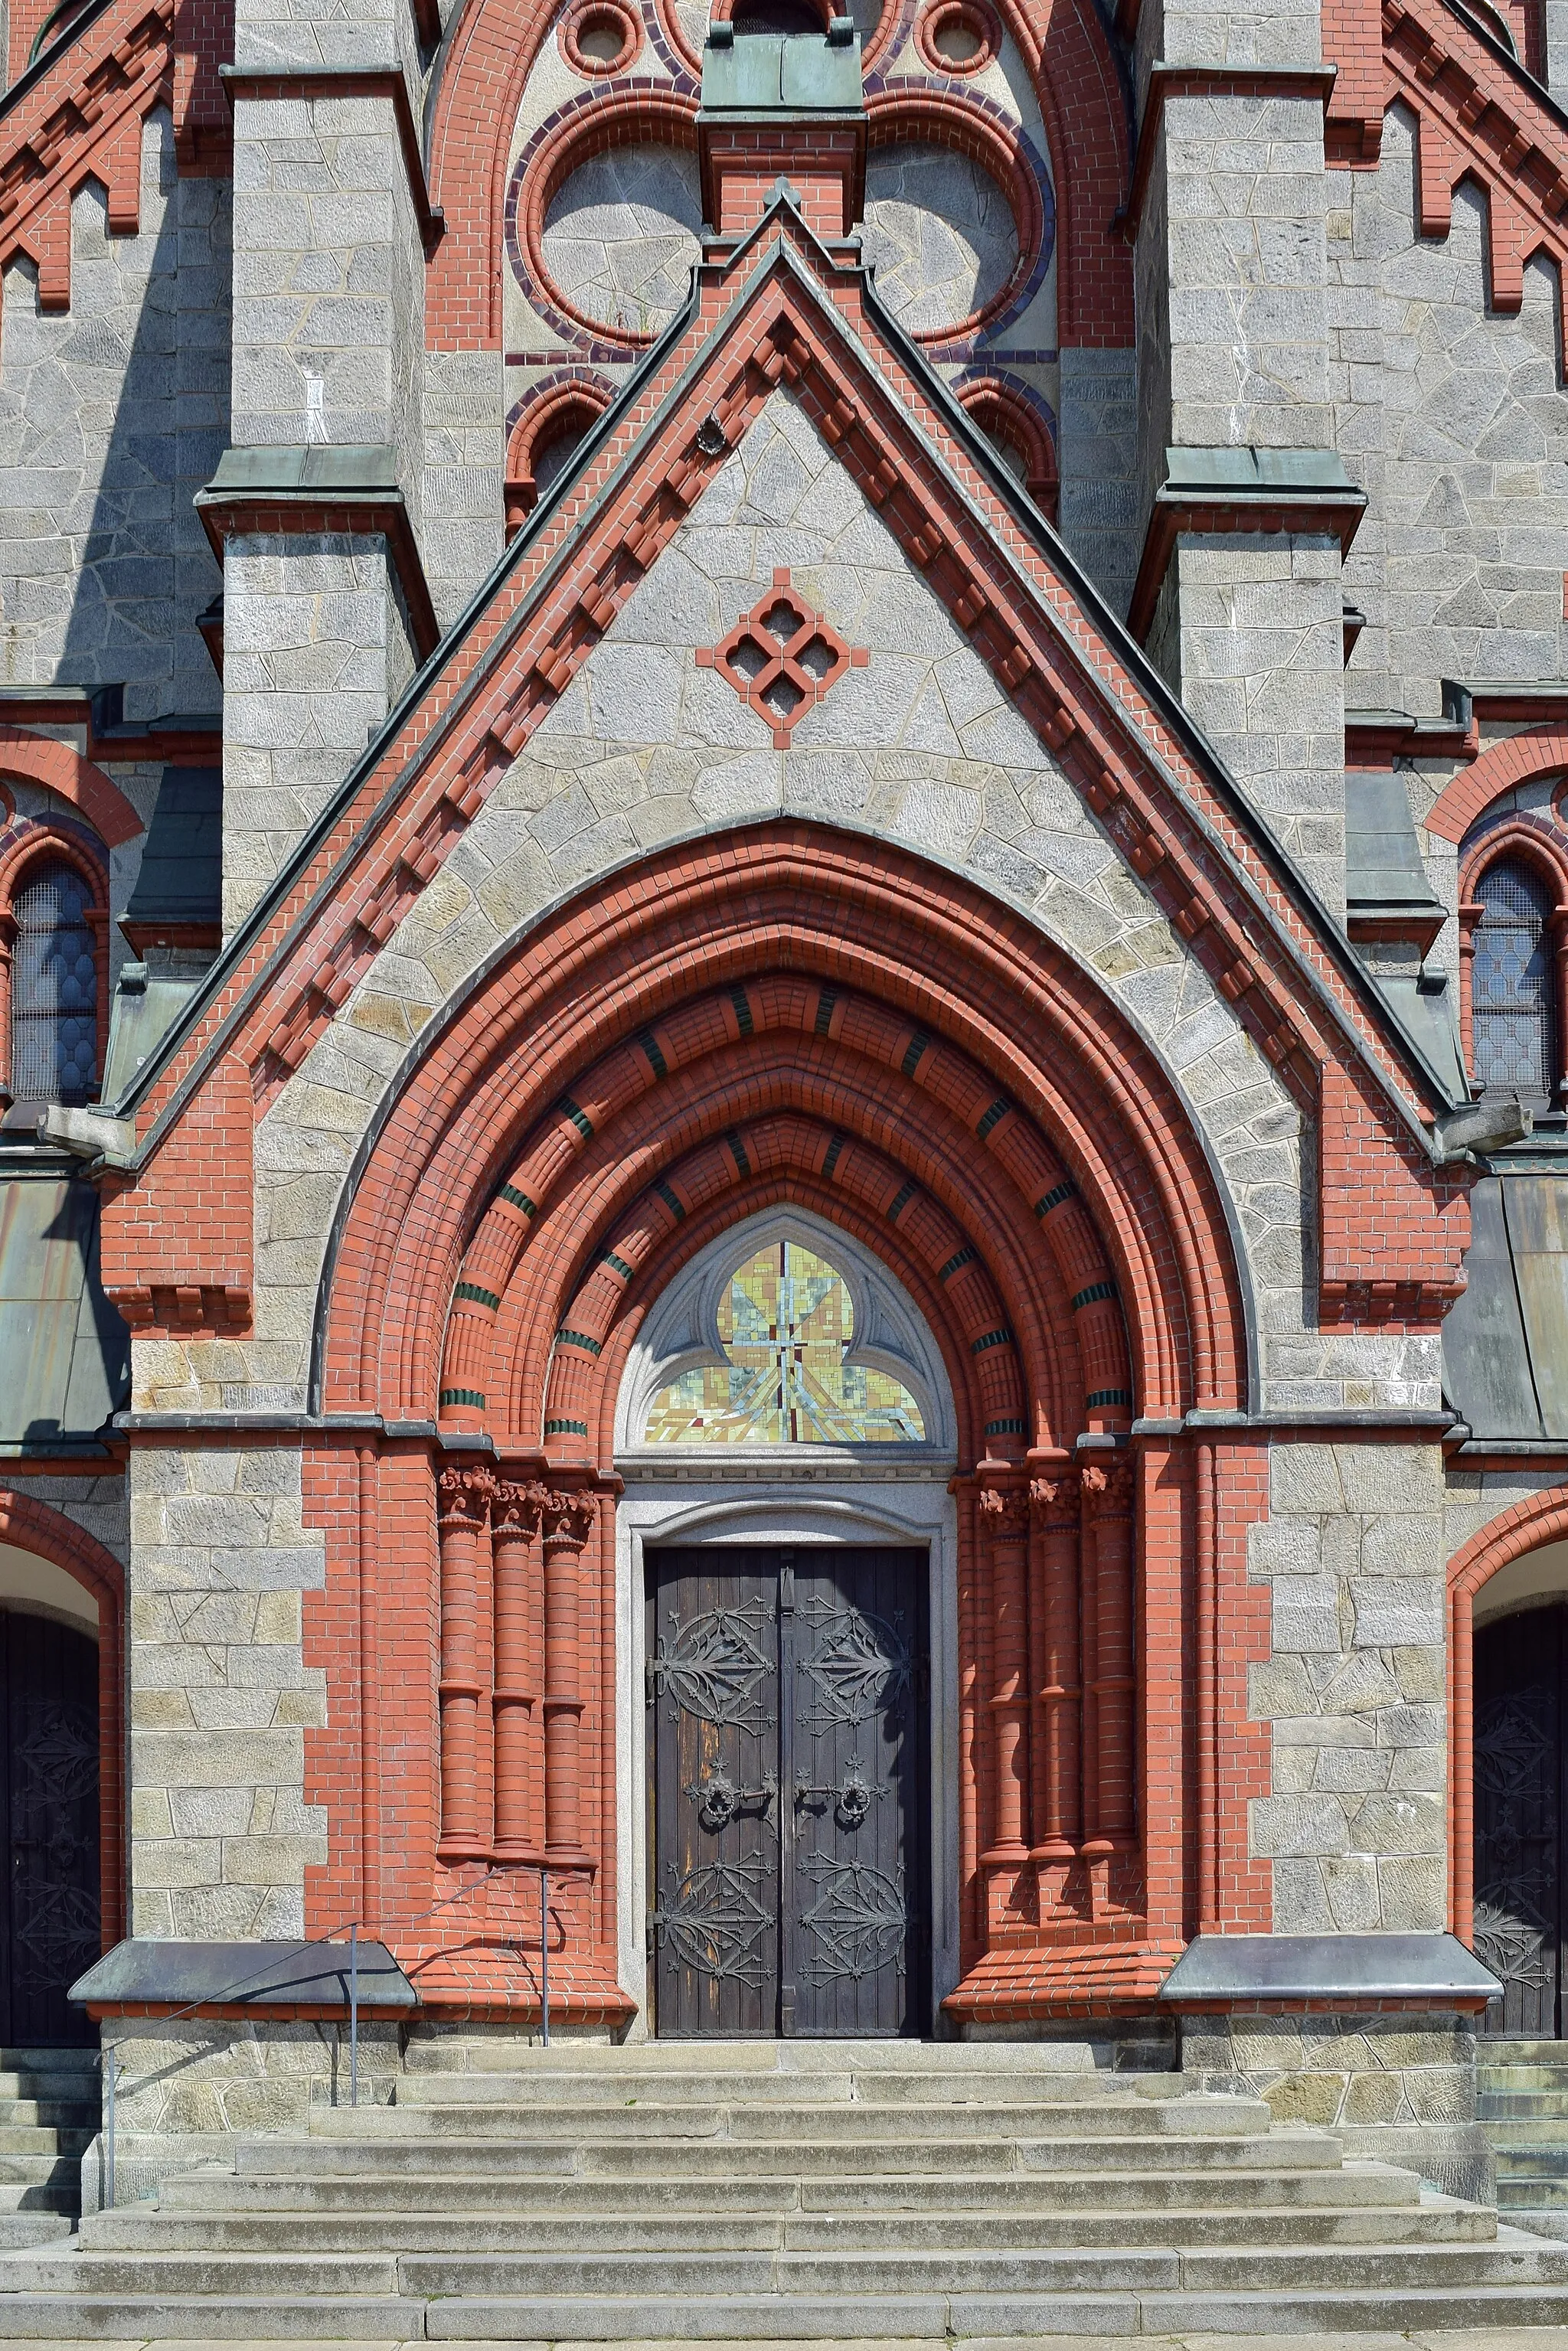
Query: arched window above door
point(1514, 1013)
point(785, 1333)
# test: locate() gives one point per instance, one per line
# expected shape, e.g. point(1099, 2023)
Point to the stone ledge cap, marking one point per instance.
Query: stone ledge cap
point(1432, 1967)
point(249, 1975)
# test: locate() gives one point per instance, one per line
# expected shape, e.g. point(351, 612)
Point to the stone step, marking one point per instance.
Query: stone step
point(145, 2229)
point(793, 2124)
point(54, 2166)
point(1499, 2051)
point(1375, 2187)
point(1491, 2078)
point(667, 2060)
point(39, 2138)
point(729, 2158)
point(49, 2114)
point(588, 2091)
point(21, 2228)
point(855, 2275)
point(1524, 2131)
point(1523, 2105)
point(771, 2318)
point(62, 2198)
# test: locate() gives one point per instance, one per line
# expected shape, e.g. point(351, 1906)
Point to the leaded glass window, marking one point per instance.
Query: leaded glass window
point(1511, 983)
point(786, 1323)
point(54, 989)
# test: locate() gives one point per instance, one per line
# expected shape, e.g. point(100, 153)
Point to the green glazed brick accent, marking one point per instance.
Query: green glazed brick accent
point(963, 1257)
point(510, 1193)
point(898, 1204)
point(991, 1339)
point(1108, 1396)
point(616, 1264)
point(742, 1004)
point(462, 1395)
point(650, 1045)
point(566, 1428)
point(993, 1117)
point(831, 1161)
point(737, 1152)
point(471, 1290)
point(827, 1003)
point(1054, 1200)
point(1093, 1294)
point(565, 1338)
point(579, 1117)
point(1007, 1427)
point(669, 1201)
point(917, 1047)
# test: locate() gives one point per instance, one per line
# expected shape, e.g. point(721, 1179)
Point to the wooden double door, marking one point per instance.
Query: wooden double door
point(788, 1769)
point(1520, 1771)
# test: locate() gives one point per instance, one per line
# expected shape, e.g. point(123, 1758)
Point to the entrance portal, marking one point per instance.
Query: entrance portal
point(1520, 1816)
point(789, 1773)
point(49, 1913)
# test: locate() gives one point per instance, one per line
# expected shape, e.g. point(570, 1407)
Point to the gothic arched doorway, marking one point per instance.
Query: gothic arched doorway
point(1520, 1817)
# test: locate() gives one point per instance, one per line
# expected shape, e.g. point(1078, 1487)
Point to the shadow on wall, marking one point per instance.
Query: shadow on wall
point(112, 415)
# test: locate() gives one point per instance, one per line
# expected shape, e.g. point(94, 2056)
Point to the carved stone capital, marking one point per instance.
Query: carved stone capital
point(518, 1510)
point(1004, 1512)
point(568, 1516)
point(1109, 1490)
point(465, 1496)
point(1056, 1501)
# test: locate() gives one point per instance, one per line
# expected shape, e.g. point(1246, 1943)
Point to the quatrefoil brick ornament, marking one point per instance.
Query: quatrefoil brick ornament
point(781, 658)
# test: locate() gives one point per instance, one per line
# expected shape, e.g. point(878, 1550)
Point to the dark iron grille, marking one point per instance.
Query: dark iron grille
point(54, 1003)
point(1511, 997)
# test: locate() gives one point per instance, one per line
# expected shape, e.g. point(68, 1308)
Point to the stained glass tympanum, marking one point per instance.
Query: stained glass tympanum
point(786, 1323)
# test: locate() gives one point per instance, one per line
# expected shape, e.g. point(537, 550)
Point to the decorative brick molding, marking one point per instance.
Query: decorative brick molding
point(35, 1526)
point(1539, 751)
point(43, 761)
point(782, 658)
point(1009, 410)
point(970, 124)
point(81, 119)
point(187, 1267)
point(569, 400)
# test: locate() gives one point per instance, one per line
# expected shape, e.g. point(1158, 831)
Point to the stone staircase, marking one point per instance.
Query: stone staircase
point(790, 2191)
point(48, 2114)
point(1521, 2099)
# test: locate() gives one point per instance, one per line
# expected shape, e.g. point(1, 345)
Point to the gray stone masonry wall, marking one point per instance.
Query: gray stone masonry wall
point(112, 415)
point(1263, 671)
point(354, 36)
point(314, 647)
point(221, 1834)
point(1395, 2089)
point(1097, 455)
point(465, 463)
point(1453, 420)
point(329, 279)
point(1354, 1549)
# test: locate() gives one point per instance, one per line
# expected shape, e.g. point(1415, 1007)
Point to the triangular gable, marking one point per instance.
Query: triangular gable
point(783, 314)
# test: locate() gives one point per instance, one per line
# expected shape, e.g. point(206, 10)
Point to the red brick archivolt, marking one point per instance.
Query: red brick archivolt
point(36, 1527)
point(783, 1016)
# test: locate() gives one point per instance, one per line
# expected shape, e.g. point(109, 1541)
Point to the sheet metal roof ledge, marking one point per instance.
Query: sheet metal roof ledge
point(139, 1972)
point(1220, 1969)
point(782, 74)
point(1210, 491)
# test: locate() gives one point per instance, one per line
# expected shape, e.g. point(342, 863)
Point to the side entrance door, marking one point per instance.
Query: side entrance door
point(1518, 1764)
point(49, 1927)
point(789, 1767)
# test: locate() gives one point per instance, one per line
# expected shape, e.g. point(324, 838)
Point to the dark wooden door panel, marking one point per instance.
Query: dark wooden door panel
point(789, 1771)
point(49, 1686)
point(1518, 1765)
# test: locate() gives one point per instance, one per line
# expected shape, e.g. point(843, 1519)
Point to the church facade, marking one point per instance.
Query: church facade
point(782, 916)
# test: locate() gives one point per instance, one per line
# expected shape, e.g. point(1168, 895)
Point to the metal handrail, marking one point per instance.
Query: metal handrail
point(109, 2055)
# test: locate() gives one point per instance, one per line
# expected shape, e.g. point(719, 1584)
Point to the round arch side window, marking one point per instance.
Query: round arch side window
point(54, 989)
point(1512, 1014)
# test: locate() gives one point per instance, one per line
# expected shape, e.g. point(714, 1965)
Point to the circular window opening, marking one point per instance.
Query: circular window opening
point(959, 36)
point(601, 38)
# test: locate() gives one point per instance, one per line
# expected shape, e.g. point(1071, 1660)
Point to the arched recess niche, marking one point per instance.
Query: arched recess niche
point(784, 1020)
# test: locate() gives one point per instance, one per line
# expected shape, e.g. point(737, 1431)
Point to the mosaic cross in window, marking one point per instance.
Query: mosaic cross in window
point(786, 1323)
